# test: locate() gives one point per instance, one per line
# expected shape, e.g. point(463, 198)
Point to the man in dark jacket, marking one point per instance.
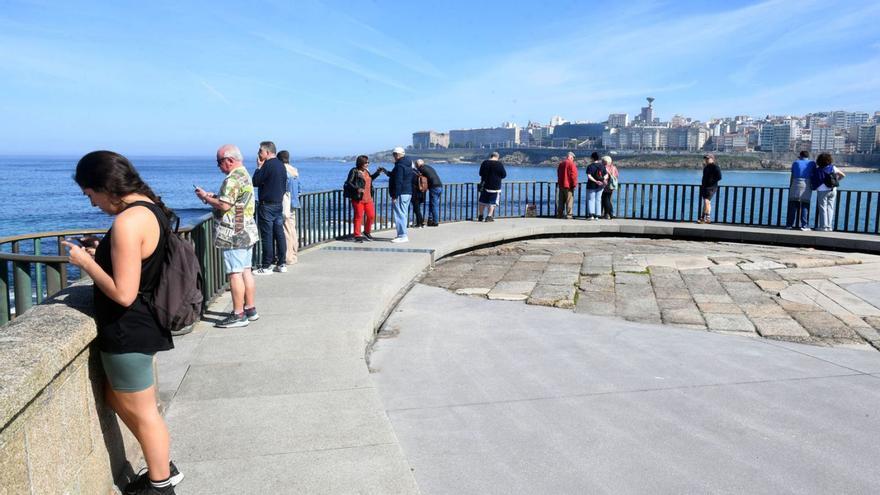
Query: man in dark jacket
point(271, 178)
point(435, 189)
point(491, 173)
point(709, 186)
point(400, 187)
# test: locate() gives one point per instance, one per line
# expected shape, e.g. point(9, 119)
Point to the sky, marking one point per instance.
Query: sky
point(338, 78)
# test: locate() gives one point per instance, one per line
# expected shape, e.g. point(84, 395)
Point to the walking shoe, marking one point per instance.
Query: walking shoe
point(480, 218)
point(263, 271)
point(707, 220)
point(143, 480)
point(400, 239)
point(433, 224)
point(358, 238)
point(280, 269)
point(368, 237)
point(490, 219)
point(251, 314)
point(233, 321)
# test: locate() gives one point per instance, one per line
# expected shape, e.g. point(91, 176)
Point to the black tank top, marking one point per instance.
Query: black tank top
point(132, 329)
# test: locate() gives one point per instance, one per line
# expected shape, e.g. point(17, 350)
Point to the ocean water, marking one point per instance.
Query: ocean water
point(40, 194)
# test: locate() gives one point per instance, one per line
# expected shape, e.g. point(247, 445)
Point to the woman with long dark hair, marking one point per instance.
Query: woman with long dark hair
point(127, 262)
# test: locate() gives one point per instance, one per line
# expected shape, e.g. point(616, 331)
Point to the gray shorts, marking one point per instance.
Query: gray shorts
point(128, 372)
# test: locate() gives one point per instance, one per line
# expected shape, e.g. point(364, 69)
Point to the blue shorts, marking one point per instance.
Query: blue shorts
point(128, 372)
point(238, 260)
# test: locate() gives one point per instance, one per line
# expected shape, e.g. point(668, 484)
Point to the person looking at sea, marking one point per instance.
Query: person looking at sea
point(492, 172)
point(271, 179)
point(359, 190)
point(418, 195)
point(708, 186)
point(567, 181)
point(612, 176)
point(235, 234)
point(127, 262)
point(435, 189)
point(289, 208)
point(799, 192)
point(829, 177)
point(596, 177)
point(400, 187)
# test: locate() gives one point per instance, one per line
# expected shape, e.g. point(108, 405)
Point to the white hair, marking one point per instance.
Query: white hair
point(571, 154)
point(232, 151)
point(606, 160)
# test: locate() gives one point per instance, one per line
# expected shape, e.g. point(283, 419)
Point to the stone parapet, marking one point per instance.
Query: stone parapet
point(57, 434)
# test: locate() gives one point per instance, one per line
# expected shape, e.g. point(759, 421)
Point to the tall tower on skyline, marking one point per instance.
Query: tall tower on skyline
point(647, 115)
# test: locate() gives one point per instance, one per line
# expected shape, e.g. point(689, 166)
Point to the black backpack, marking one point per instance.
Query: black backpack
point(176, 301)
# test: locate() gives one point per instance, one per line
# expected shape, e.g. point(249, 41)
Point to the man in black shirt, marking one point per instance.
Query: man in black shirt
point(709, 186)
point(435, 189)
point(491, 173)
point(271, 178)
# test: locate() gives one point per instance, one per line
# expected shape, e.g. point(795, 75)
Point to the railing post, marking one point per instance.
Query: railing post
point(38, 271)
point(53, 278)
point(21, 279)
point(4, 295)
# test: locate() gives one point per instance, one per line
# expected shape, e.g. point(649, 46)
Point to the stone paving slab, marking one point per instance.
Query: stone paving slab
point(852, 303)
point(727, 322)
point(785, 327)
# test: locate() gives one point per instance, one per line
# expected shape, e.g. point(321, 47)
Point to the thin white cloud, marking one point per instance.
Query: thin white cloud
point(292, 45)
point(213, 91)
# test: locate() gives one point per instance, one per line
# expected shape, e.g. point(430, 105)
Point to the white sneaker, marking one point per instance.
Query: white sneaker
point(263, 271)
point(400, 239)
point(281, 269)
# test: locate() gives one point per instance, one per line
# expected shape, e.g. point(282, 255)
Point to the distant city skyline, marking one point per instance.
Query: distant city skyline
point(333, 78)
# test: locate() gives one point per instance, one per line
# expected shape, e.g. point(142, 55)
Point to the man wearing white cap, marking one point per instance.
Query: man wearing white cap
point(400, 183)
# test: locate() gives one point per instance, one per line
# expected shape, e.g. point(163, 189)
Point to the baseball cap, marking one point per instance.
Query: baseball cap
point(398, 151)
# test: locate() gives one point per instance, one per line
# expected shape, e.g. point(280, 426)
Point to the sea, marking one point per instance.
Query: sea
point(39, 193)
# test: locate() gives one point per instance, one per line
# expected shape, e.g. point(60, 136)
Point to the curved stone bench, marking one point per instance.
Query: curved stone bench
point(291, 393)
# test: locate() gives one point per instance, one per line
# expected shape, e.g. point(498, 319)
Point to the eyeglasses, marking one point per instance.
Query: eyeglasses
point(221, 160)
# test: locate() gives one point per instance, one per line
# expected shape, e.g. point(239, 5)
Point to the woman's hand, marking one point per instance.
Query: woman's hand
point(79, 255)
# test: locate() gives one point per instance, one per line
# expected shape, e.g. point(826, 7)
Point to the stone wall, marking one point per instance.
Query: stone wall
point(57, 435)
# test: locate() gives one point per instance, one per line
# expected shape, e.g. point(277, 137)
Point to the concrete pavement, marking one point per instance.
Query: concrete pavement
point(287, 404)
point(508, 398)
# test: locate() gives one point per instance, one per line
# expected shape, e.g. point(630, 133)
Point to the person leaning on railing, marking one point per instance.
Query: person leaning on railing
point(799, 192)
point(127, 262)
point(610, 186)
point(359, 190)
point(829, 178)
point(708, 186)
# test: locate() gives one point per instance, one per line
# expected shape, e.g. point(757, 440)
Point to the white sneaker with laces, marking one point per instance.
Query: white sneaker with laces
point(400, 239)
point(263, 271)
point(281, 269)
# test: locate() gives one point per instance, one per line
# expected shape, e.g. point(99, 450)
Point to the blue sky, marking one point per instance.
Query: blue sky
point(333, 78)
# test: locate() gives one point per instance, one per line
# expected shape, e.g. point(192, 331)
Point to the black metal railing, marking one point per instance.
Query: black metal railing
point(31, 268)
point(39, 267)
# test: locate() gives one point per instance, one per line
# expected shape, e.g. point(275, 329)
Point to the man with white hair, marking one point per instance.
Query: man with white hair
point(400, 187)
point(236, 233)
